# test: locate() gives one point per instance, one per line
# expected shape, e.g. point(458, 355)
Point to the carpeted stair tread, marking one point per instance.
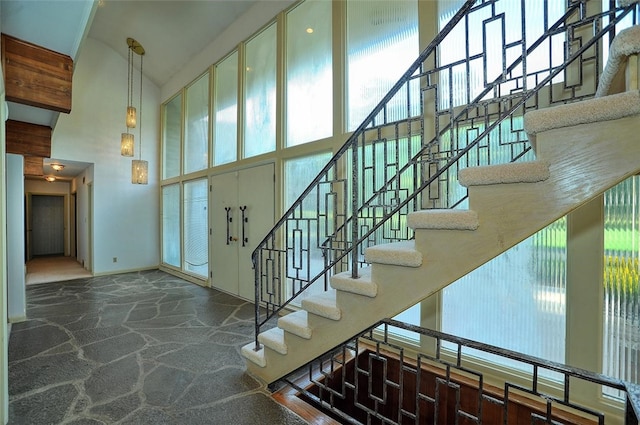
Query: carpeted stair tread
point(396, 253)
point(257, 357)
point(625, 44)
point(443, 218)
point(513, 172)
point(362, 285)
point(604, 108)
point(274, 339)
point(323, 304)
point(296, 323)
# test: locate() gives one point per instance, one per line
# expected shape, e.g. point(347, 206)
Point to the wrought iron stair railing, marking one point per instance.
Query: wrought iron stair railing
point(372, 379)
point(406, 154)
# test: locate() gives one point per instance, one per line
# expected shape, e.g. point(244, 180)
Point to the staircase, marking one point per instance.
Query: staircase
point(581, 149)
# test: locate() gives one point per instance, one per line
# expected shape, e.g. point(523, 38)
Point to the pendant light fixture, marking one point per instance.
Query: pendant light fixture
point(131, 110)
point(139, 168)
point(126, 139)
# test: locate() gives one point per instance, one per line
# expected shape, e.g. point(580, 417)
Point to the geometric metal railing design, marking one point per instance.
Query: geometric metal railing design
point(371, 379)
point(444, 114)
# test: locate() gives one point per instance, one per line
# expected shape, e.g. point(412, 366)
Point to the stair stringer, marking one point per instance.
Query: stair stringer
point(584, 161)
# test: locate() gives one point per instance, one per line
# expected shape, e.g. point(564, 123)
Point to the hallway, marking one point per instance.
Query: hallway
point(55, 268)
point(135, 348)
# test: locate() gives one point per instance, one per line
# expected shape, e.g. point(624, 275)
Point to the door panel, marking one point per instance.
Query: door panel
point(48, 225)
point(257, 196)
point(242, 212)
point(224, 251)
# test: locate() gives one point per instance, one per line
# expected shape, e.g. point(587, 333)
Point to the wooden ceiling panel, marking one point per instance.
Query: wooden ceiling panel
point(28, 139)
point(33, 166)
point(36, 76)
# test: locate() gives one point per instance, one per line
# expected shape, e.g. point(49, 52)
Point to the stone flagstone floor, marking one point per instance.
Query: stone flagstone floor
point(135, 348)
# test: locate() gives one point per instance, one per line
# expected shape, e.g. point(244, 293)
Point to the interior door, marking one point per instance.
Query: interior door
point(47, 215)
point(257, 198)
point(242, 212)
point(224, 238)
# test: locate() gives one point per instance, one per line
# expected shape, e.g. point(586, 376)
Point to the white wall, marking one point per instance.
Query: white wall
point(81, 186)
point(125, 216)
point(244, 27)
point(16, 285)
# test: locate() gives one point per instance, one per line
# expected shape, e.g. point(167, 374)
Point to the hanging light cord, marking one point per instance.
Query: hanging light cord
point(140, 112)
point(130, 81)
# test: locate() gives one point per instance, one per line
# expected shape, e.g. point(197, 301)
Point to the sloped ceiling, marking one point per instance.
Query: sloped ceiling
point(171, 31)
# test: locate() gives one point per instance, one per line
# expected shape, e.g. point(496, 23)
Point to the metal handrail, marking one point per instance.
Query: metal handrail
point(350, 224)
point(325, 375)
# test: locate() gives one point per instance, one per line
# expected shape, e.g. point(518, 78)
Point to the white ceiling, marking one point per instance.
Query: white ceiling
point(171, 31)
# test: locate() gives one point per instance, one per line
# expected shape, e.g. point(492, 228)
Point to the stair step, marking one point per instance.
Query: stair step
point(323, 304)
point(626, 43)
point(445, 219)
point(256, 357)
point(362, 285)
point(513, 172)
point(274, 339)
point(296, 323)
point(598, 109)
point(396, 253)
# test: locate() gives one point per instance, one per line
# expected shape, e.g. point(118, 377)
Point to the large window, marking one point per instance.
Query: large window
point(196, 139)
point(171, 225)
point(225, 107)
point(621, 326)
point(382, 42)
point(309, 73)
point(196, 228)
point(171, 137)
point(516, 301)
point(260, 94)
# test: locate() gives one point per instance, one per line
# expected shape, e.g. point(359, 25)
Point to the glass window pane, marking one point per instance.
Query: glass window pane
point(309, 73)
point(526, 284)
point(196, 252)
point(260, 94)
point(621, 348)
point(225, 125)
point(196, 139)
point(298, 173)
point(378, 32)
point(171, 225)
point(626, 22)
point(171, 138)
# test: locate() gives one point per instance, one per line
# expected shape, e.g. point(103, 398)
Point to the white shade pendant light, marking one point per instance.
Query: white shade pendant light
point(126, 144)
point(131, 117)
point(139, 171)
point(131, 110)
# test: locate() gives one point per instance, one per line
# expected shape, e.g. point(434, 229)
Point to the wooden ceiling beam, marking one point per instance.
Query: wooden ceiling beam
point(28, 139)
point(36, 76)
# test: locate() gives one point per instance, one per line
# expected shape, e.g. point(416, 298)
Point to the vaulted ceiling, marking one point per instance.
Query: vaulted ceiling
point(171, 31)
